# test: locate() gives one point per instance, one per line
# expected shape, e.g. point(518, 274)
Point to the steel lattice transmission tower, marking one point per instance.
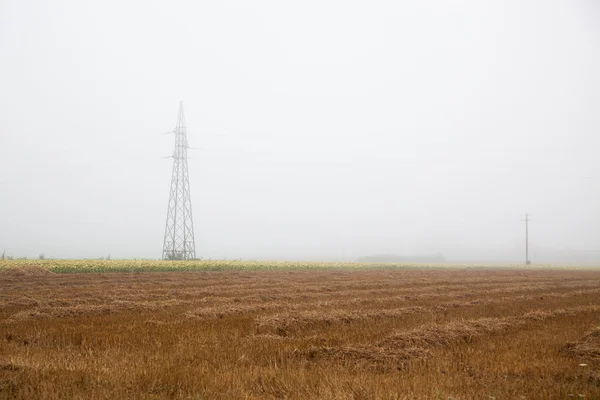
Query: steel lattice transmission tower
point(179, 228)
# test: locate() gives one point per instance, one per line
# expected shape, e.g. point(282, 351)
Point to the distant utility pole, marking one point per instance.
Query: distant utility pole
point(527, 262)
point(179, 229)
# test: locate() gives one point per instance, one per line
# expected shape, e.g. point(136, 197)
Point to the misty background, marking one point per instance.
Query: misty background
point(327, 130)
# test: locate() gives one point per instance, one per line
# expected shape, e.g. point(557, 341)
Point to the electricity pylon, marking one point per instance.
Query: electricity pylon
point(527, 219)
point(179, 228)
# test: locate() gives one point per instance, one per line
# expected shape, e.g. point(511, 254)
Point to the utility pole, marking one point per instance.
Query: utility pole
point(179, 229)
point(527, 262)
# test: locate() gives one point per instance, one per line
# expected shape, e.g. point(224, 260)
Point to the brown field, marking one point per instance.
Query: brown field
point(329, 334)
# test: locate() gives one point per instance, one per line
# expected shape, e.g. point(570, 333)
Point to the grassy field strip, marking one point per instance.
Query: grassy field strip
point(107, 266)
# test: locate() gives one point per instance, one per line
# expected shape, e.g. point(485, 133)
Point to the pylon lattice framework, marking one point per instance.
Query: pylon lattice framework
point(179, 228)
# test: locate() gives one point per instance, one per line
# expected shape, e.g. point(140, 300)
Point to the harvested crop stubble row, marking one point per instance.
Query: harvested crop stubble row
point(299, 291)
point(293, 320)
point(87, 310)
point(587, 348)
point(402, 345)
point(232, 310)
point(287, 289)
point(333, 285)
point(460, 298)
point(372, 356)
point(435, 335)
point(101, 297)
point(298, 294)
point(376, 279)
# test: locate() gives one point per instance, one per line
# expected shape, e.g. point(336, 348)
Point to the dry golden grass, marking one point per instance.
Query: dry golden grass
point(328, 334)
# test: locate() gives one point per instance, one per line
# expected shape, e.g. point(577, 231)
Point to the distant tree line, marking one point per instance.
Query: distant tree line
point(393, 258)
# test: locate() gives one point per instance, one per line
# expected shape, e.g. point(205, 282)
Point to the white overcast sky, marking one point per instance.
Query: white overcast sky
point(326, 129)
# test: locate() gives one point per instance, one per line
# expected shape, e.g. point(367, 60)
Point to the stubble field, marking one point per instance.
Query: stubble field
point(314, 333)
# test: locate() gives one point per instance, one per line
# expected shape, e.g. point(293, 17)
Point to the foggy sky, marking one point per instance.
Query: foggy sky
point(326, 129)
